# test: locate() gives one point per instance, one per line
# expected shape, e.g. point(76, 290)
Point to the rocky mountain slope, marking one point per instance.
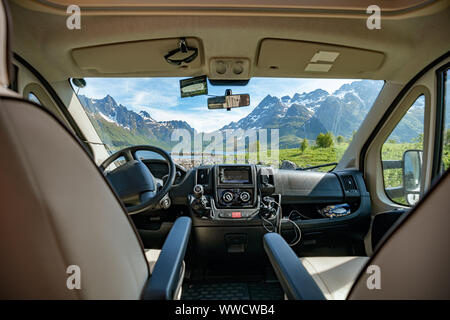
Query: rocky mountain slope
point(118, 126)
point(307, 114)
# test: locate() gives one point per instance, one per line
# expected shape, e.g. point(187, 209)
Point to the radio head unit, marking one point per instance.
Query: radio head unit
point(235, 186)
point(235, 175)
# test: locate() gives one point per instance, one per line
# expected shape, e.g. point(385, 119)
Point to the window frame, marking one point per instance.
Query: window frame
point(441, 78)
point(369, 156)
point(48, 91)
point(399, 114)
point(373, 136)
point(38, 101)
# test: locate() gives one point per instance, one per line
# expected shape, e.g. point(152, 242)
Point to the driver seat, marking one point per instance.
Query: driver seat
point(60, 220)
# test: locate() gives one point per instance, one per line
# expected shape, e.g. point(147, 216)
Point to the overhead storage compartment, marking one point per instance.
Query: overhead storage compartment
point(135, 57)
point(300, 58)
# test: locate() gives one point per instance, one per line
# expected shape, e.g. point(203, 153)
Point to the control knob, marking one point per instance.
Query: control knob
point(244, 196)
point(227, 197)
point(198, 191)
point(165, 202)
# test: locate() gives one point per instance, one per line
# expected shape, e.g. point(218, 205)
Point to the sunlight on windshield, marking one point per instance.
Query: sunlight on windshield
point(289, 123)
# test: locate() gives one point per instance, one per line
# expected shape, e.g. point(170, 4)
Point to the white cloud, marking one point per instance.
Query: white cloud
point(139, 99)
point(134, 93)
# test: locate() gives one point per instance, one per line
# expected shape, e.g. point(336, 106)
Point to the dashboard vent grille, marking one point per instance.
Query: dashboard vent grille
point(349, 183)
point(202, 176)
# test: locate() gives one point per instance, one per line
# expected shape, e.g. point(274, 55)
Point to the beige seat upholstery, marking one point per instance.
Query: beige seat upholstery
point(152, 256)
point(57, 210)
point(413, 261)
point(334, 275)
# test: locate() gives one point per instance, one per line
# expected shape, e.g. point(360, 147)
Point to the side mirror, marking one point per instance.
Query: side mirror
point(412, 175)
point(229, 101)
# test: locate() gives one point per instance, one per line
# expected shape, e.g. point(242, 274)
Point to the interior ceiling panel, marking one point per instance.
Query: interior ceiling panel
point(396, 52)
point(391, 7)
point(290, 58)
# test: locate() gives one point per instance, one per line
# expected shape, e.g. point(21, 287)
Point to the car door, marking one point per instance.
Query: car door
point(409, 148)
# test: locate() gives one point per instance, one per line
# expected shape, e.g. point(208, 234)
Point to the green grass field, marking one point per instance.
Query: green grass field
point(314, 155)
point(390, 151)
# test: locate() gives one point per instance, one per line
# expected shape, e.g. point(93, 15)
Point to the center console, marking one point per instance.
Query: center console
point(227, 192)
point(233, 206)
point(235, 192)
point(231, 197)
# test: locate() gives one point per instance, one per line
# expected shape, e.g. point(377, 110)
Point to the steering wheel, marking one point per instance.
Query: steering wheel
point(134, 182)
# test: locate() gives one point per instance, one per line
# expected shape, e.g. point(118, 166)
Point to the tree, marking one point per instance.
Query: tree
point(447, 138)
point(319, 139)
point(330, 138)
point(353, 135)
point(324, 140)
point(418, 139)
point(304, 145)
point(340, 139)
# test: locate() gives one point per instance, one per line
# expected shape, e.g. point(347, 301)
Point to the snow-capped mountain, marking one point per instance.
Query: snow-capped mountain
point(140, 127)
point(268, 110)
point(307, 114)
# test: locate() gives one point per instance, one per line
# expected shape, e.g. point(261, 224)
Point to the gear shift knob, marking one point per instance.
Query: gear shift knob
point(198, 191)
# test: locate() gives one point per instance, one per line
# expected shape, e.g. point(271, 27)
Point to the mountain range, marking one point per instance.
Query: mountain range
point(304, 115)
point(119, 127)
point(307, 114)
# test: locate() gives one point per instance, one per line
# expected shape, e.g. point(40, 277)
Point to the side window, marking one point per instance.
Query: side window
point(445, 154)
point(32, 97)
point(401, 156)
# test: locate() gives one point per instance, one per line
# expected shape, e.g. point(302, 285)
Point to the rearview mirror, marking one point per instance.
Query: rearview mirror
point(412, 169)
point(229, 101)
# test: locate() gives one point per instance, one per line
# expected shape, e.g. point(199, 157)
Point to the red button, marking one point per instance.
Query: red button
point(236, 215)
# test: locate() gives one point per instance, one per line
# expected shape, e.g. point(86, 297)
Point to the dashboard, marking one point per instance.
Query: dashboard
point(233, 205)
point(242, 193)
point(237, 193)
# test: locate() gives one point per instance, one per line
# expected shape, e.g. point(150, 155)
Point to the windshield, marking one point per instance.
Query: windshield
point(289, 123)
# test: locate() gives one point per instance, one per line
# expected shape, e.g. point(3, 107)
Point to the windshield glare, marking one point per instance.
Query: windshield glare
point(290, 123)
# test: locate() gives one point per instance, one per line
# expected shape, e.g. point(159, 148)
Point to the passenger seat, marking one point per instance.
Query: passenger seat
point(411, 261)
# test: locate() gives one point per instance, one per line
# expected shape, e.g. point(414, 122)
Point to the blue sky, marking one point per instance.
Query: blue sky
point(160, 97)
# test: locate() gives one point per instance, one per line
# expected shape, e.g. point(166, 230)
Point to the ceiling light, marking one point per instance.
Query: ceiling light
point(325, 56)
point(318, 67)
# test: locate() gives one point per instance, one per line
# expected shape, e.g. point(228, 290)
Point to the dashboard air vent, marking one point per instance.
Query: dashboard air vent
point(349, 184)
point(202, 176)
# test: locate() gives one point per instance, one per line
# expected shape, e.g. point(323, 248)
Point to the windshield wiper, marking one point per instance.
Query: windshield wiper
point(319, 166)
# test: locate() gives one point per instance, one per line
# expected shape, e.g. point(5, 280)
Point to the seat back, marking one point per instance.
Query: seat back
point(58, 211)
point(414, 259)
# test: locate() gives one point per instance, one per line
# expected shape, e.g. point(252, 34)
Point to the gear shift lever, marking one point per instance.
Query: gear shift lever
point(198, 191)
point(199, 202)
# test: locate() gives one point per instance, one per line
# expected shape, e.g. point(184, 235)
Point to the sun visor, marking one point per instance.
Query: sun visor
point(138, 57)
point(299, 58)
